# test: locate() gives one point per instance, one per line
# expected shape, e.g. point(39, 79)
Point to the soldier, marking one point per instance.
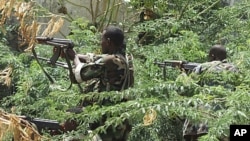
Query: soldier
point(110, 71)
point(145, 38)
point(217, 63)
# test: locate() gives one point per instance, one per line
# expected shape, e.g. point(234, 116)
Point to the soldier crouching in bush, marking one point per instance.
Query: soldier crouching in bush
point(217, 64)
point(110, 71)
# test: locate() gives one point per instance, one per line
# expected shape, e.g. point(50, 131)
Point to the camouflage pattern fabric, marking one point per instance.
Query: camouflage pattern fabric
point(216, 73)
point(107, 72)
point(215, 66)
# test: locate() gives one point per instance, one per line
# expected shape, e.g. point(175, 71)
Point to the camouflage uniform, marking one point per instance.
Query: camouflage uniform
point(106, 73)
point(193, 130)
point(215, 66)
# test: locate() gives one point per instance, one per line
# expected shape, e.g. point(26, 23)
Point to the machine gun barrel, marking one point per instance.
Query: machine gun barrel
point(183, 65)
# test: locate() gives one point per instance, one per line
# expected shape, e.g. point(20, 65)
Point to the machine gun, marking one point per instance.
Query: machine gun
point(60, 48)
point(44, 124)
point(182, 65)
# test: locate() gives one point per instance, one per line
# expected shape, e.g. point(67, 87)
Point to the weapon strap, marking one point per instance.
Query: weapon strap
point(69, 66)
point(49, 77)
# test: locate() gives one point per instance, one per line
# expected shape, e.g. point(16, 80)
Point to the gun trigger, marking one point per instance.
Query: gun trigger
point(54, 58)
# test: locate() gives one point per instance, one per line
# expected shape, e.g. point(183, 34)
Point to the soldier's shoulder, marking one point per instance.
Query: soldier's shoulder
point(112, 57)
point(210, 63)
point(217, 66)
point(207, 65)
point(230, 67)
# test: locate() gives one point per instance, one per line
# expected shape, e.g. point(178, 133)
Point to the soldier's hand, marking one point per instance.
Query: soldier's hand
point(71, 53)
point(55, 50)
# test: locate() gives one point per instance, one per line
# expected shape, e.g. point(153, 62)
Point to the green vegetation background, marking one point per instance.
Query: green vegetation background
point(185, 31)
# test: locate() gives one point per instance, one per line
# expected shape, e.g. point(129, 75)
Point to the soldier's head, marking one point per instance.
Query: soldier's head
point(112, 40)
point(217, 53)
point(148, 14)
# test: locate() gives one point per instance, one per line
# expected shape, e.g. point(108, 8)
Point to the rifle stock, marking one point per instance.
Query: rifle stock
point(182, 65)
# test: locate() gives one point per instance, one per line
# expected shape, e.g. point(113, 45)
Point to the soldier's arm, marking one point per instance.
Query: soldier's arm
point(197, 69)
point(92, 68)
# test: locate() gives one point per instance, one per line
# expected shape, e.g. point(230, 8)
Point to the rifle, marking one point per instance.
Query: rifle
point(44, 124)
point(60, 47)
point(182, 65)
